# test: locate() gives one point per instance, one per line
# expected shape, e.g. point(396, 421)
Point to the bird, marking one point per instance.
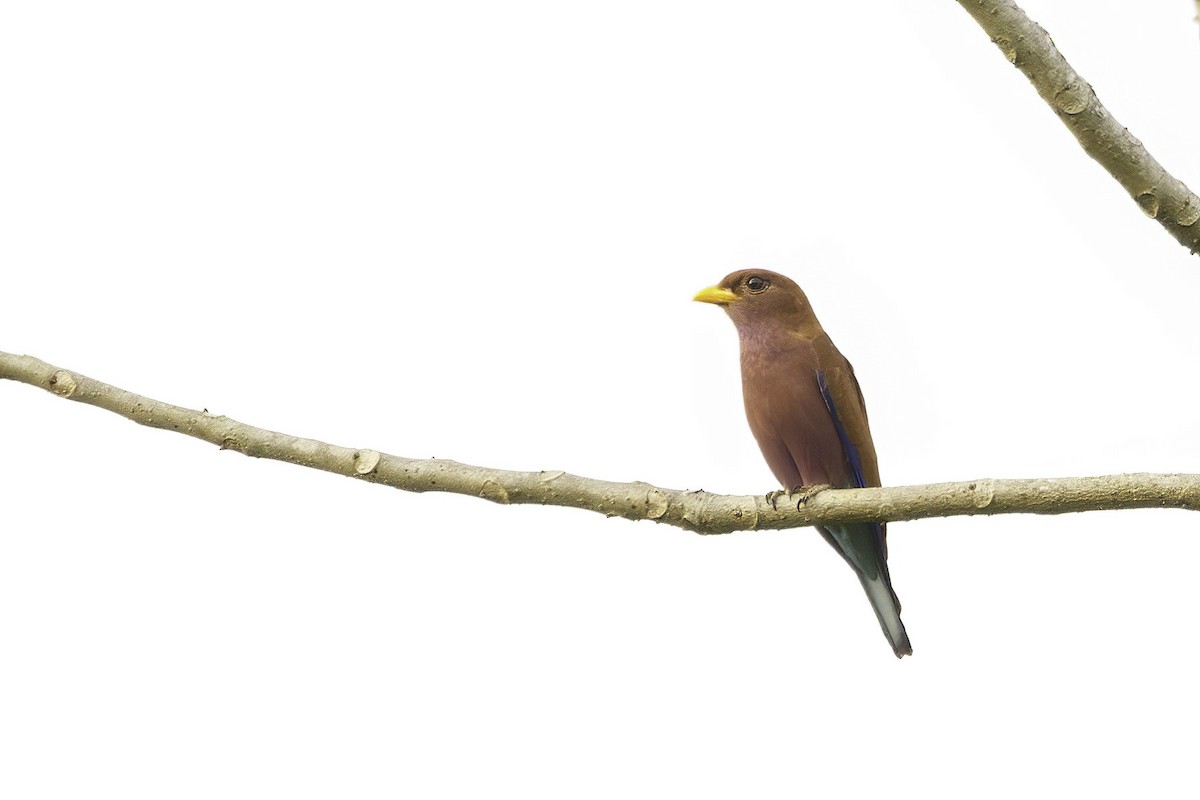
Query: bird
point(806, 411)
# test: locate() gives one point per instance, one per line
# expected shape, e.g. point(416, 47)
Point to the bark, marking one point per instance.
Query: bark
point(1029, 48)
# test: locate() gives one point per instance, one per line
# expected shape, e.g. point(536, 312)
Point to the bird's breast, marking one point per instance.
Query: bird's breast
point(788, 415)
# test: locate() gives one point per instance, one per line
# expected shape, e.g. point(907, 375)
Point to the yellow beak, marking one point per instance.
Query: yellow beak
point(715, 294)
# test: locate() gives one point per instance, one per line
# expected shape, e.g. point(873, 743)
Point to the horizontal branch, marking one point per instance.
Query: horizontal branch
point(698, 511)
point(1028, 47)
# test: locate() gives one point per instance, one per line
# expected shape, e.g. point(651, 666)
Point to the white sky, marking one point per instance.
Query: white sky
point(472, 231)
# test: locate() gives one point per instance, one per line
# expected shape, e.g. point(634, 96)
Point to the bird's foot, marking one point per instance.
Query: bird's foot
point(802, 494)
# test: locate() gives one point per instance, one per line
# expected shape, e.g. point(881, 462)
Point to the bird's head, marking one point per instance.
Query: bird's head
point(759, 296)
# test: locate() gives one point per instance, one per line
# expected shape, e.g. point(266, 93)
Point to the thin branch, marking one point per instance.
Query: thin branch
point(697, 511)
point(1027, 46)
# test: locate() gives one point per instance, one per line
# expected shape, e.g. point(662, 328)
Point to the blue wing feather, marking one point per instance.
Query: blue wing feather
point(847, 446)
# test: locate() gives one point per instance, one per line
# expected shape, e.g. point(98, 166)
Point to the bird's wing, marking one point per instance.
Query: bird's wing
point(844, 400)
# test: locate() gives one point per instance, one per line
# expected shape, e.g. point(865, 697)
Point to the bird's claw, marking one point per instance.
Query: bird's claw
point(805, 493)
point(802, 494)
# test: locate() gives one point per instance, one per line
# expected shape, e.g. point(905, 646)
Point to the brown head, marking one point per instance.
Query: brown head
point(759, 297)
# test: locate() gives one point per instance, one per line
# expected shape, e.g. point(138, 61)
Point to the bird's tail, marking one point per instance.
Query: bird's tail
point(887, 609)
point(863, 548)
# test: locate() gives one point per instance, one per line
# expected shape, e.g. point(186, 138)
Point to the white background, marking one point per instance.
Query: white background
point(472, 231)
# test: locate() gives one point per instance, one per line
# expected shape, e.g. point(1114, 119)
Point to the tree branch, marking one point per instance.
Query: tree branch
point(1027, 46)
point(698, 511)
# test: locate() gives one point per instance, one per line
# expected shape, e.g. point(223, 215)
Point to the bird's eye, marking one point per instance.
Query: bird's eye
point(756, 284)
